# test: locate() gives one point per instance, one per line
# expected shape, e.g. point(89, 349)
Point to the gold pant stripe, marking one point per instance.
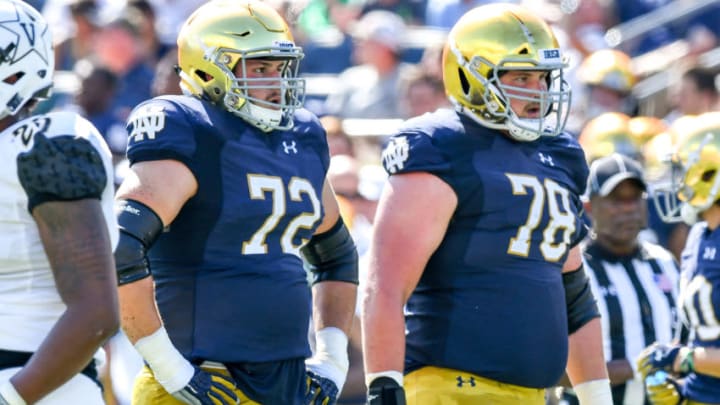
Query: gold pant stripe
point(442, 386)
point(147, 391)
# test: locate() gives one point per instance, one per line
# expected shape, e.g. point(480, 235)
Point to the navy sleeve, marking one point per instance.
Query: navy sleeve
point(63, 168)
point(159, 129)
point(414, 152)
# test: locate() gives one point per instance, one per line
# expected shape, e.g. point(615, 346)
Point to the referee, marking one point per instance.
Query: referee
point(635, 282)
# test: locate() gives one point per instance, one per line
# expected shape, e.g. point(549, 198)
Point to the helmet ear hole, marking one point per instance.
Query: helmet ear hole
point(708, 175)
point(464, 83)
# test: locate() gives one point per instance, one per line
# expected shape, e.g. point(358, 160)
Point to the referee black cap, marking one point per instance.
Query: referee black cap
point(609, 171)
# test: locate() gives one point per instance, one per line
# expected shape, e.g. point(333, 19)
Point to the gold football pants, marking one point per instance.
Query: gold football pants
point(442, 386)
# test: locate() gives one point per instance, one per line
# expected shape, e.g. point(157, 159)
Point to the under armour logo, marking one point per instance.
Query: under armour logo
point(461, 381)
point(546, 159)
point(395, 154)
point(709, 253)
point(287, 148)
point(146, 122)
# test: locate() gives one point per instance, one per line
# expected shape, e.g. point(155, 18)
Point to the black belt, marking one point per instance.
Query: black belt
point(10, 359)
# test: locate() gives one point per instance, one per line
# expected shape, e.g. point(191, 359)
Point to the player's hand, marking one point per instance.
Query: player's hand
point(208, 388)
point(320, 390)
point(657, 357)
point(662, 389)
point(385, 391)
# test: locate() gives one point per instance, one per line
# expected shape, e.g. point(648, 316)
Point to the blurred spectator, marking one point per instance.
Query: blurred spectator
point(411, 11)
point(701, 30)
point(154, 47)
point(328, 47)
point(421, 92)
point(170, 16)
point(370, 90)
point(585, 23)
point(445, 13)
point(78, 44)
point(93, 100)
point(120, 48)
point(431, 60)
point(166, 80)
point(606, 79)
point(694, 94)
point(339, 142)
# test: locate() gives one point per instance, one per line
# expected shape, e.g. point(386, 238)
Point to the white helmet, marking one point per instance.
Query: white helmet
point(26, 56)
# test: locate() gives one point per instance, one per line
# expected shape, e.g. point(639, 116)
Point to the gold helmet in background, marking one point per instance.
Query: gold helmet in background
point(222, 35)
point(490, 40)
point(606, 134)
point(644, 128)
point(698, 155)
point(608, 68)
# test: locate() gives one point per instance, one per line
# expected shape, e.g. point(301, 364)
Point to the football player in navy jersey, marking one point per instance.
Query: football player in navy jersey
point(477, 231)
point(693, 367)
point(225, 202)
point(58, 299)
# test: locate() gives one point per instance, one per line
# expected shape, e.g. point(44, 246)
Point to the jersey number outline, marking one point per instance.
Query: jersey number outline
point(561, 217)
point(707, 328)
point(259, 185)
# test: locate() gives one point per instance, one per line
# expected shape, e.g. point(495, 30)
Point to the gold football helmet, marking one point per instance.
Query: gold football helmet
point(608, 68)
point(606, 134)
point(224, 33)
point(695, 169)
point(490, 40)
point(644, 128)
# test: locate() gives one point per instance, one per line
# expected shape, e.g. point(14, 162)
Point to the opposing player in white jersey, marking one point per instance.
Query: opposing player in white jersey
point(58, 298)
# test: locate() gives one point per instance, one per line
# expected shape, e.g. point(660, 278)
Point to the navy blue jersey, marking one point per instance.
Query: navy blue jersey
point(491, 299)
point(230, 284)
point(700, 303)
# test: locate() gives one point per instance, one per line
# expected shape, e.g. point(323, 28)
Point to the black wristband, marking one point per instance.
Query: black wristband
point(385, 391)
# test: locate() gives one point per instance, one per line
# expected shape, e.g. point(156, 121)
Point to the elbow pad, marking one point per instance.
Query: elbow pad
point(332, 255)
point(581, 305)
point(139, 227)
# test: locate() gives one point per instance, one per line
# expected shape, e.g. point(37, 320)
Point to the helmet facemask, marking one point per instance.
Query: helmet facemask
point(214, 47)
point(26, 57)
point(264, 114)
point(695, 181)
point(495, 111)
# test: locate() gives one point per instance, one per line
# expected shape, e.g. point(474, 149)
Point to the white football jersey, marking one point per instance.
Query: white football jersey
point(29, 302)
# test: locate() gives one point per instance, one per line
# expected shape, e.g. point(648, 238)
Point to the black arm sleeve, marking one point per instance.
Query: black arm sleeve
point(385, 391)
point(139, 227)
point(332, 255)
point(581, 305)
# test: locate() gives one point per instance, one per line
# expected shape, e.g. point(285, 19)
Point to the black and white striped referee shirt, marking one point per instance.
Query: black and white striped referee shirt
point(636, 296)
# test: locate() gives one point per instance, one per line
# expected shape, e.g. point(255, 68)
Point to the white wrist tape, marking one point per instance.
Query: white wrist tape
point(10, 394)
point(331, 358)
point(595, 392)
point(395, 375)
point(170, 368)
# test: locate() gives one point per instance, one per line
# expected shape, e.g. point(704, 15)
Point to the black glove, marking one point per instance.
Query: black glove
point(385, 391)
point(208, 388)
point(320, 390)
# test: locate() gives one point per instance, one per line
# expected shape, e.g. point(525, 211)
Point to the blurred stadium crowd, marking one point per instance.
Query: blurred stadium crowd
point(639, 69)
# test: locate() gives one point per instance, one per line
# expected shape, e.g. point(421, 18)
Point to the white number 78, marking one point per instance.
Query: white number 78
point(561, 217)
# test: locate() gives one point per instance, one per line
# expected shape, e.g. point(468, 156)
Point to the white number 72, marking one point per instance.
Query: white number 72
point(258, 186)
